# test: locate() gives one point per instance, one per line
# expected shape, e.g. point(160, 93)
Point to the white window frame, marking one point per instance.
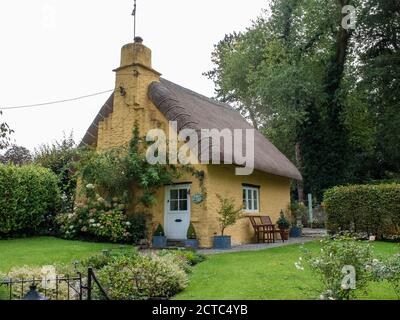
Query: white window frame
point(252, 190)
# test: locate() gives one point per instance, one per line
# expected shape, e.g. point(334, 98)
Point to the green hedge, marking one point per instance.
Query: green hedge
point(29, 195)
point(374, 209)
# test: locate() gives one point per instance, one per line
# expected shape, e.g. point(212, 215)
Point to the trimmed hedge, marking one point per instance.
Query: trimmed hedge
point(29, 196)
point(371, 209)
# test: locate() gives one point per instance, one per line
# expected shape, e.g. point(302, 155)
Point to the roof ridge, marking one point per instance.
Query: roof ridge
point(201, 96)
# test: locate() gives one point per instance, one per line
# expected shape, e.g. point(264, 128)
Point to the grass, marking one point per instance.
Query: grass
point(267, 274)
point(45, 251)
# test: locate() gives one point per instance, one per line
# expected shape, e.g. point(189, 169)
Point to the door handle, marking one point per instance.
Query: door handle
point(178, 220)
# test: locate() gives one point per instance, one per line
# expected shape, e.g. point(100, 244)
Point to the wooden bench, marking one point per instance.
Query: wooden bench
point(264, 229)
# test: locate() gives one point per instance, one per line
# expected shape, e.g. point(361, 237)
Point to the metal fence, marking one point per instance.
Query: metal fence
point(78, 287)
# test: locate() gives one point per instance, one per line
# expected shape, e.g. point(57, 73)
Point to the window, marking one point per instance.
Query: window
point(178, 200)
point(251, 196)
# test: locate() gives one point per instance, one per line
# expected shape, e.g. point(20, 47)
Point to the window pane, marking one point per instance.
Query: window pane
point(183, 205)
point(255, 196)
point(183, 194)
point(244, 199)
point(174, 194)
point(249, 205)
point(249, 194)
point(173, 205)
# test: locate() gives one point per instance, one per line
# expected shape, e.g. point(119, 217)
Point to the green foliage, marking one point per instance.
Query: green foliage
point(228, 214)
point(370, 209)
point(328, 266)
point(100, 219)
point(144, 277)
point(16, 155)
point(60, 157)
point(341, 103)
point(159, 232)
point(191, 233)
point(99, 261)
point(29, 199)
point(47, 288)
point(126, 172)
point(298, 210)
point(391, 272)
point(282, 222)
point(5, 132)
point(191, 256)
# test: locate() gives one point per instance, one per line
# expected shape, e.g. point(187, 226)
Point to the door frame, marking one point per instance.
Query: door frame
point(167, 188)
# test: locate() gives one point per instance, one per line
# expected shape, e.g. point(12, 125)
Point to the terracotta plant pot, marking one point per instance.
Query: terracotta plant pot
point(284, 234)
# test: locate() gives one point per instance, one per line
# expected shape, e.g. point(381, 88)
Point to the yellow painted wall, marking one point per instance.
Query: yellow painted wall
point(274, 197)
point(135, 75)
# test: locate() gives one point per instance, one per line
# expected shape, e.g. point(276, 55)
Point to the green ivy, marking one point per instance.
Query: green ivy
point(125, 171)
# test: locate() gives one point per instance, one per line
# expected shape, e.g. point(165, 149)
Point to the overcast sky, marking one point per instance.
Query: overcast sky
point(60, 49)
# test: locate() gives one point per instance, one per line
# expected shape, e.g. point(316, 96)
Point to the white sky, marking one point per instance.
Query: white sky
point(59, 49)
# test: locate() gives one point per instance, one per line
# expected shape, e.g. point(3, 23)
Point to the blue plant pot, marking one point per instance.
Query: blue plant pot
point(159, 242)
point(192, 243)
point(222, 242)
point(295, 232)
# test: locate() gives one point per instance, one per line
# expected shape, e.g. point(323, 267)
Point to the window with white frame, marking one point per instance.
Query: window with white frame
point(251, 196)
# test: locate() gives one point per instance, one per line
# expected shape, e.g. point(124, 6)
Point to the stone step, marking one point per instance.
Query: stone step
point(314, 233)
point(175, 244)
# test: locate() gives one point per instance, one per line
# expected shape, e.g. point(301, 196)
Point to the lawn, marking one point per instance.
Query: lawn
point(267, 274)
point(44, 251)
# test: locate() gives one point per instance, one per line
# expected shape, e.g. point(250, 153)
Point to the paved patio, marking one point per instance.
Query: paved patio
point(259, 246)
point(308, 235)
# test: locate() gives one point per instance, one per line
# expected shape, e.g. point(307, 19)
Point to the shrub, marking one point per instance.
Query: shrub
point(191, 256)
point(388, 270)
point(370, 209)
point(159, 232)
point(228, 215)
point(282, 222)
point(29, 197)
point(191, 233)
point(60, 157)
point(46, 282)
point(99, 261)
point(328, 265)
point(102, 220)
point(144, 277)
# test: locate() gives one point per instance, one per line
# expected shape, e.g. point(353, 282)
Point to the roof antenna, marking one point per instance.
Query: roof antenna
point(134, 20)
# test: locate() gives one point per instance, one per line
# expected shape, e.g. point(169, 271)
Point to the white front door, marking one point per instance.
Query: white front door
point(177, 211)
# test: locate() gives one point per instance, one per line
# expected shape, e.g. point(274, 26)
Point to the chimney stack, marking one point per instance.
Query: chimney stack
point(135, 54)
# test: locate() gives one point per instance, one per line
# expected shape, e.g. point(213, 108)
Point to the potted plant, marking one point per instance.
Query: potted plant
point(191, 241)
point(159, 238)
point(228, 216)
point(296, 230)
point(284, 226)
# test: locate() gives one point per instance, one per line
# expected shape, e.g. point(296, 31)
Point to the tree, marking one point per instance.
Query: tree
point(16, 155)
point(228, 214)
point(311, 85)
point(5, 131)
point(60, 157)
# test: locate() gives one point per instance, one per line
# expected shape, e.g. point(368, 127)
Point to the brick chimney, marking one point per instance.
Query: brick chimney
point(131, 102)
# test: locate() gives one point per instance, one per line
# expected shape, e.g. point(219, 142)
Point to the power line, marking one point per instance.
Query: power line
point(55, 102)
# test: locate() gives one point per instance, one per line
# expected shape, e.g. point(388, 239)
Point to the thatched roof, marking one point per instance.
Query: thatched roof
point(194, 111)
